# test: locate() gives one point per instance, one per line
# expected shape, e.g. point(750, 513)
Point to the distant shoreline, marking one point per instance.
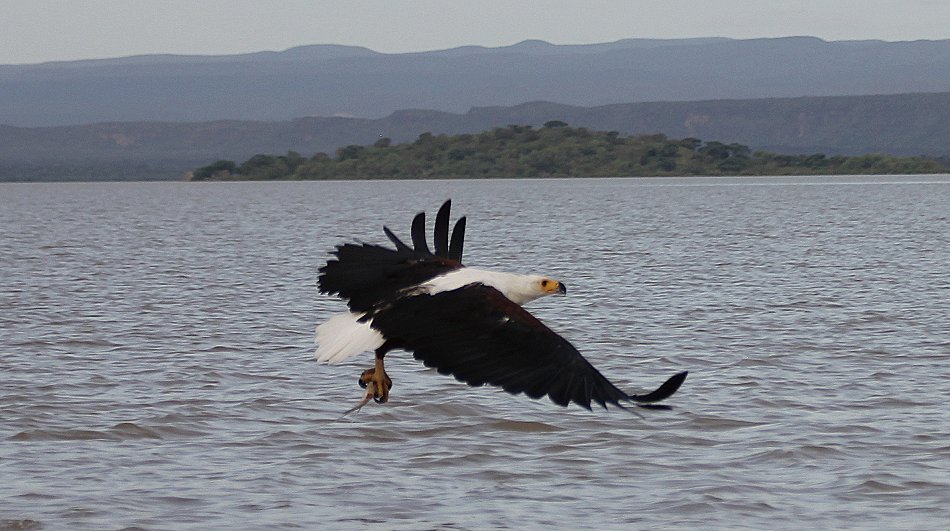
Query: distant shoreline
point(945, 174)
point(554, 150)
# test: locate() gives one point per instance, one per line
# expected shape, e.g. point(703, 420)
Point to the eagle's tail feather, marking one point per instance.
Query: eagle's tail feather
point(344, 336)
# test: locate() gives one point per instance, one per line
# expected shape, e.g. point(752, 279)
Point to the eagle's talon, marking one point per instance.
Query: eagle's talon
point(381, 384)
point(366, 377)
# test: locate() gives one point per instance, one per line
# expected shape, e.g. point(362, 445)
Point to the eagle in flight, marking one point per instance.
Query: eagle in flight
point(462, 321)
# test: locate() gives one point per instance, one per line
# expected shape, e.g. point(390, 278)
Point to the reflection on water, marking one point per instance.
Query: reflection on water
point(157, 358)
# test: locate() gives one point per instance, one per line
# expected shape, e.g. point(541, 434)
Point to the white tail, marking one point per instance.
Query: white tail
point(343, 337)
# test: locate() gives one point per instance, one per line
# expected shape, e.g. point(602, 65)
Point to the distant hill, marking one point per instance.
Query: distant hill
point(340, 80)
point(904, 124)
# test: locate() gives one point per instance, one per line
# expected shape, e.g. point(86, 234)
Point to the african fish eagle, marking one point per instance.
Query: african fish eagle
point(461, 321)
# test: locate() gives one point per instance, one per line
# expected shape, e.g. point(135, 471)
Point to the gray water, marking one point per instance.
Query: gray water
point(156, 367)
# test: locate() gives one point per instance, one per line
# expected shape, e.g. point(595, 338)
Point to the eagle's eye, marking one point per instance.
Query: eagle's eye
point(545, 283)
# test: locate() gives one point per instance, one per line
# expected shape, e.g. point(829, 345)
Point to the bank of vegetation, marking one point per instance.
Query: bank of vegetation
point(554, 150)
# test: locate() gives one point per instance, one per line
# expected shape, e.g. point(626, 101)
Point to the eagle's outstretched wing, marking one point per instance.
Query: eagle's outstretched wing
point(479, 336)
point(368, 275)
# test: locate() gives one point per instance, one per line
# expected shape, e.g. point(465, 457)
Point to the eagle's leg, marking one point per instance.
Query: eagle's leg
point(381, 381)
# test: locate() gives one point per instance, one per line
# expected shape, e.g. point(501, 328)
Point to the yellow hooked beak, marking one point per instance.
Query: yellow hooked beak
point(552, 287)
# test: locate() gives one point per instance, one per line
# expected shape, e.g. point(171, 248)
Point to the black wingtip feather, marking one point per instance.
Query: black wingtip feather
point(418, 232)
point(400, 246)
point(442, 230)
point(458, 239)
point(664, 391)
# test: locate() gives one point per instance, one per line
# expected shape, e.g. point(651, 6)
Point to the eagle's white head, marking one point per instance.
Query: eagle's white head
point(531, 287)
point(520, 289)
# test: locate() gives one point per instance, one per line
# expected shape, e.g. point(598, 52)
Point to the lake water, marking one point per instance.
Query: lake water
point(157, 371)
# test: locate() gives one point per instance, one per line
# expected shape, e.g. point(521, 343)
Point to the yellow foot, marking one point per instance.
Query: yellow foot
point(381, 384)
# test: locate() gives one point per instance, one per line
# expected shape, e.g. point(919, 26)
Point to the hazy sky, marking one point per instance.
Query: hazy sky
point(34, 31)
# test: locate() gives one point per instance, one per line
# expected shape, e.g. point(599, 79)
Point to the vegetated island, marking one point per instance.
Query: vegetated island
point(554, 150)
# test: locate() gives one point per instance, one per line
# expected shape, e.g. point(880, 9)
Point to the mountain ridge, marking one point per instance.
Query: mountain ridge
point(328, 80)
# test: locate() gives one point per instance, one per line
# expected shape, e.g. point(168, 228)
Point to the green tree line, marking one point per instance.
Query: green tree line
point(554, 150)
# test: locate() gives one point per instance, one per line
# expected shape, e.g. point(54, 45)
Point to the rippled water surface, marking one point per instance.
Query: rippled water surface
point(157, 370)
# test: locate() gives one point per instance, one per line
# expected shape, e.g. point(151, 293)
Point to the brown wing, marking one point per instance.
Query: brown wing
point(479, 336)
